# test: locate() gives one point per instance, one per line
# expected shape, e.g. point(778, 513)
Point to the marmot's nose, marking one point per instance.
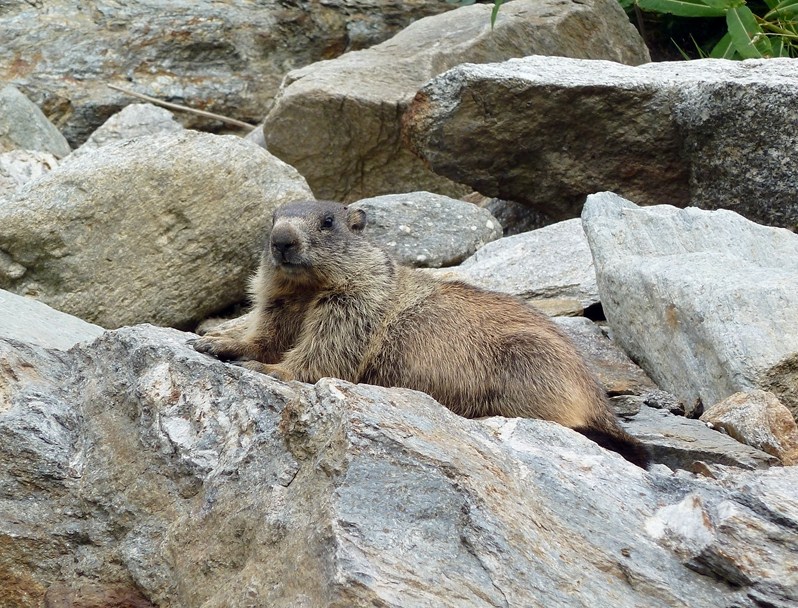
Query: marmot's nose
point(283, 240)
point(282, 246)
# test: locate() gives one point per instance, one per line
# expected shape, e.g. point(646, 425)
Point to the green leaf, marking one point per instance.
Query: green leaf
point(683, 8)
point(779, 48)
point(724, 4)
point(724, 49)
point(783, 10)
point(495, 11)
point(748, 38)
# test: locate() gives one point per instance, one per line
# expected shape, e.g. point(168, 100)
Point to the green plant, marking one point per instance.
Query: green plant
point(773, 34)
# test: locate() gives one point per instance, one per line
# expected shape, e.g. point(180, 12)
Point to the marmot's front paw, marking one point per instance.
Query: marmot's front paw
point(219, 347)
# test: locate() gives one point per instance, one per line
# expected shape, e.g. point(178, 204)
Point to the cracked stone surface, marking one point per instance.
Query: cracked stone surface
point(134, 469)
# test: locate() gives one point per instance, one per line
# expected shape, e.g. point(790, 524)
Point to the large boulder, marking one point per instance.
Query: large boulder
point(338, 121)
point(164, 229)
point(548, 131)
point(705, 301)
point(137, 472)
point(226, 57)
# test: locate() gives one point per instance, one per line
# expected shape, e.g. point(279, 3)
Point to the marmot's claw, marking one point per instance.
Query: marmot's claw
point(203, 345)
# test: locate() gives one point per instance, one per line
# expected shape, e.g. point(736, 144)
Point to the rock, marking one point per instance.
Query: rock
point(618, 374)
point(164, 229)
point(715, 540)
point(23, 126)
point(338, 121)
point(224, 57)
point(705, 301)
point(552, 263)
point(663, 400)
point(31, 322)
point(136, 120)
point(626, 406)
point(136, 468)
point(516, 218)
point(18, 167)
point(758, 419)
point(684, 443)
point(426, 229)
point(669, 132)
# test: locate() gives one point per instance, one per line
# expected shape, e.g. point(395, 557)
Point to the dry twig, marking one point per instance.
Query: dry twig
point(176, 106)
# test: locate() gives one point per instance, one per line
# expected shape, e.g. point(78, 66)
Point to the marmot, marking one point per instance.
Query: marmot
point(327, 302)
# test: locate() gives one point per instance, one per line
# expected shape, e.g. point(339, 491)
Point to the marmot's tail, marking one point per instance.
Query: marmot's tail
point(621, 442)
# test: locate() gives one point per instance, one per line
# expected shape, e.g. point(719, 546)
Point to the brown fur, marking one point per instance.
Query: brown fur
point(329, 303)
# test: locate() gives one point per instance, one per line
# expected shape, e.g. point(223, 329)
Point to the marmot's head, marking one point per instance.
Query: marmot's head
point(314, 238)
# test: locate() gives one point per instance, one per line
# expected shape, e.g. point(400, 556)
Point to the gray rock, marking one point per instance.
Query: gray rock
point(29, 321)
point(18, 167)
point(426, 229)
point(668, 132)
point(552, 263)
point(715, 539)
point(663, 400)
point(616, 371)
point(136, 120)
point(136, 468)
point(224, 57)
point(758, 419)
point(23, 126)
point(627, 406)
point(705, 301)
point(164, 229)
point(516, 218)
point(685, 443)
point(338, 121)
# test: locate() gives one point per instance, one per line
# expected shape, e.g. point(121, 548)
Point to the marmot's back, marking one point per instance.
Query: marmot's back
point(481, 353)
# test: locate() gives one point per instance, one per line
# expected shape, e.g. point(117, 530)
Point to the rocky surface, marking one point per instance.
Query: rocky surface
point(705, 301)
point(225, 57)
point(758, 419)
point(548, 131)
point(684, 443)
point(23, 126)
point(426, 229)
point(137, 472)
point(164, 229)
point(551, 267)
point(338, 121)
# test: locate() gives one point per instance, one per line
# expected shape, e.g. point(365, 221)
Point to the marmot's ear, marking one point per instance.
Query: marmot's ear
point(356, 218)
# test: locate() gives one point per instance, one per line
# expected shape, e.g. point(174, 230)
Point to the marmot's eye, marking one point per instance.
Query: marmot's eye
point(328, 222)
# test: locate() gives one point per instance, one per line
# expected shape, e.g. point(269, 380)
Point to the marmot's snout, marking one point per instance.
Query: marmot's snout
point(286, 243)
